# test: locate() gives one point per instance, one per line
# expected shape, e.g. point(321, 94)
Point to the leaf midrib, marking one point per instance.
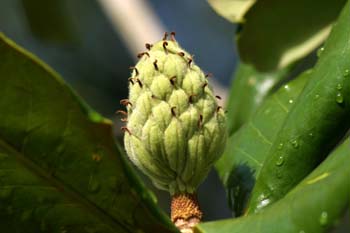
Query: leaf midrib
point(64, 189)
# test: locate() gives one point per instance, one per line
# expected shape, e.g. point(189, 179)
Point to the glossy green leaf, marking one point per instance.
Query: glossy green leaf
point(60, 170)
point(313, 206)
point(248, 147)
point(248, 90)
point(316, 123)
point(277, 33)
point(49, 20)
point(232, 10)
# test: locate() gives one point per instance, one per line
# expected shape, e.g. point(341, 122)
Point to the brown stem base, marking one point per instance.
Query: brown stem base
point(185, 212)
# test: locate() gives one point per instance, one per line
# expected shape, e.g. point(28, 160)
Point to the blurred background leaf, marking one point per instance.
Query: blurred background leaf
point(277, 33)
point(232, 10)
point(48, 20)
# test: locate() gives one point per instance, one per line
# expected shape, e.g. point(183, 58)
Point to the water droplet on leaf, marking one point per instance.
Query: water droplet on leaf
point(264, 200)
point(324, 218)
point(290, 101)
point(346, 73)
point(295, 143)
point(320, 51)
point(339, 86)
point(263, 203)
point(339, 98)
point(280, 146)
point(280, 161)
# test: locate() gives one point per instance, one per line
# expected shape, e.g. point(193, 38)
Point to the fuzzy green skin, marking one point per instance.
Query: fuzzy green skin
point(176, 130)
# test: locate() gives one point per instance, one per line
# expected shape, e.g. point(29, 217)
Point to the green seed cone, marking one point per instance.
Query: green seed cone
point(175, 129)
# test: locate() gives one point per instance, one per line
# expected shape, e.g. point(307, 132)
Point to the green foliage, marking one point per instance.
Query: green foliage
point(269, 49)
point(242, 160)
point(249, 89)
point(60, 169)
point(316, 123)
point(290, 133)
point(286, 166)
point(312, 206)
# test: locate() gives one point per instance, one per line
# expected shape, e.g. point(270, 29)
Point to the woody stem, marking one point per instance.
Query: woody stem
point(185, 211)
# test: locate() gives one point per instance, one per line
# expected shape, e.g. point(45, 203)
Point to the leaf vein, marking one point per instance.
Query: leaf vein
point(248, 156)
point(280, 103)
point(261, 135)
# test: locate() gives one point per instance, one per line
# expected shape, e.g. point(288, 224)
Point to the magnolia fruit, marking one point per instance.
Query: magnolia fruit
point(175, 129)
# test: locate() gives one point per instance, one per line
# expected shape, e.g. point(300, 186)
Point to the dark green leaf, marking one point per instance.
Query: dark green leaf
point(313, 206)
point(248, 147)
point(232, 10)
point(60, 170)
point(316, 123)
point(249, 88)
point(276, 33)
